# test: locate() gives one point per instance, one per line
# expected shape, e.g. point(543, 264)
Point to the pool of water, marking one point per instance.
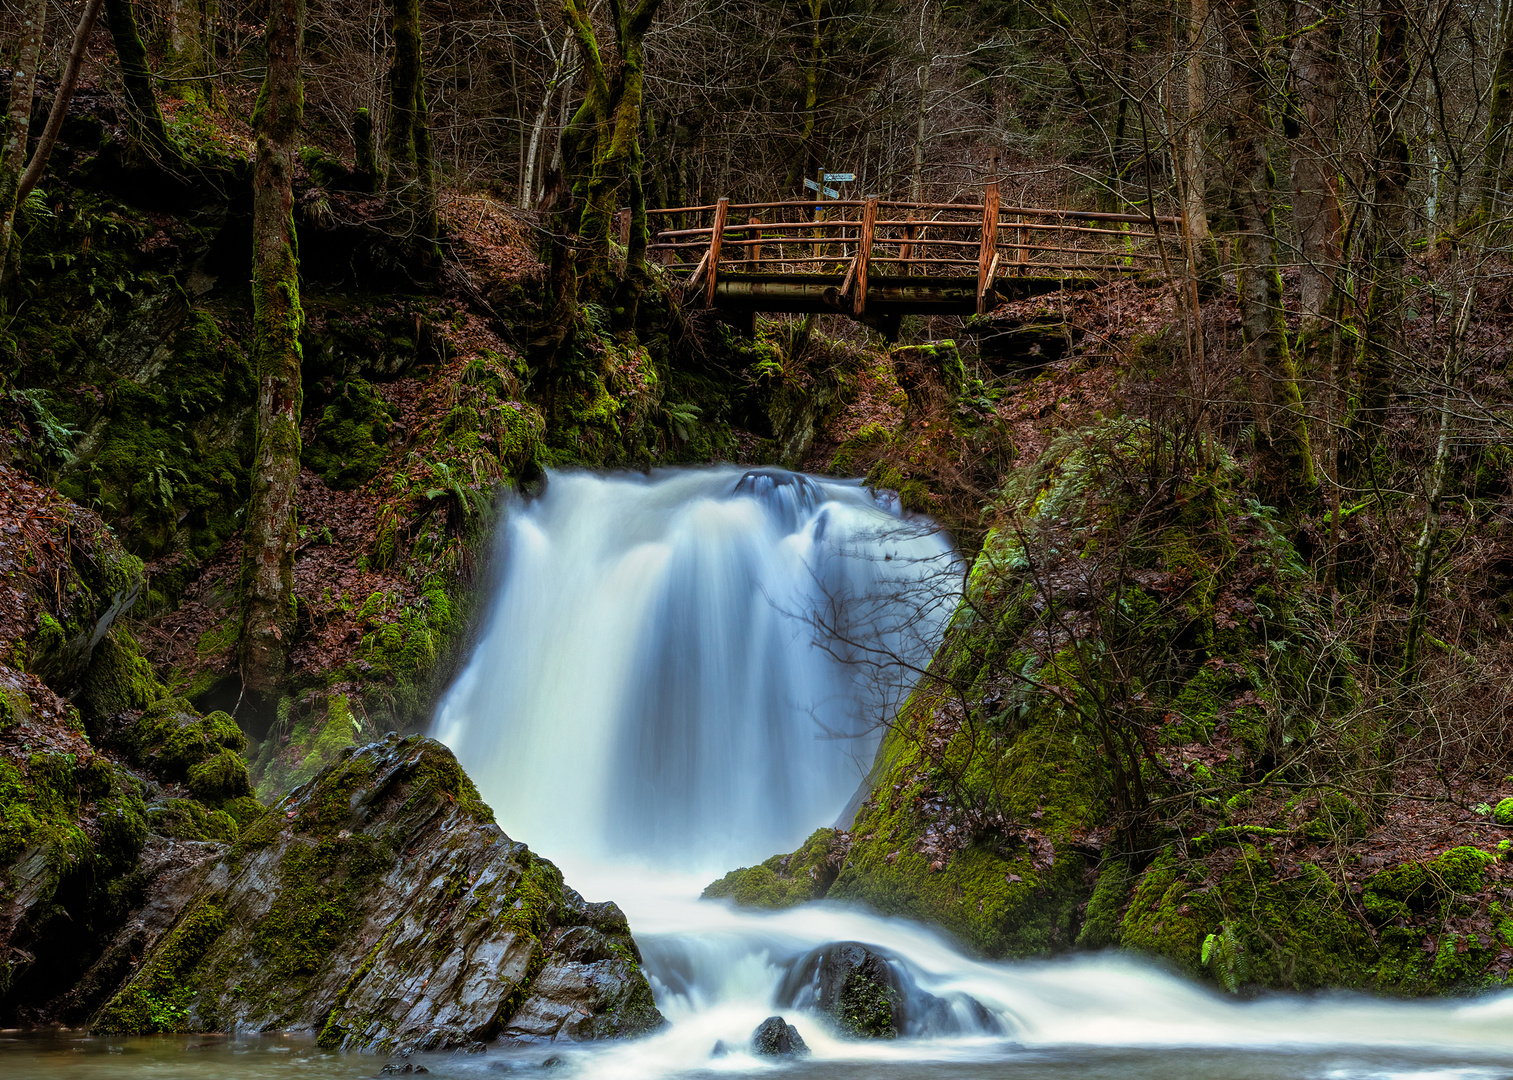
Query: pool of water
point(55, 1056)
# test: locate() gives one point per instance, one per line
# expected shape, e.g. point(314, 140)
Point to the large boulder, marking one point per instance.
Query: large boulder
point(380, 906)
point(868, 994)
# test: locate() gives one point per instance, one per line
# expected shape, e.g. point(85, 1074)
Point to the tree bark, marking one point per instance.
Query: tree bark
point(410, 183)
point(186, 60)
point(18, 120)
point(1495, 159)
point(1284, 458)
point(1382, 340)
point(269, 535)
point(602, 157)
point(1196, 189)
point(65, 95)
point(1315, 180)
point(148, 133)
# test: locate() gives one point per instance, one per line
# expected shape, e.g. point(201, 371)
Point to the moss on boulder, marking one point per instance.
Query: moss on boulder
point(355, 909)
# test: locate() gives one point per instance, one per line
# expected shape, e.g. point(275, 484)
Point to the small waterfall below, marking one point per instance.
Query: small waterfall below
point(687, 672)
point(695, 666)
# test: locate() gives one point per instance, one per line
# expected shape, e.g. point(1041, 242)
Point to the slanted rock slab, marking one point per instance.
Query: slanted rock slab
point(380, 906)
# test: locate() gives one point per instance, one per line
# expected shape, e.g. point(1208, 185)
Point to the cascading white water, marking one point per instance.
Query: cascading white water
point(686, 672)
point(692, 666)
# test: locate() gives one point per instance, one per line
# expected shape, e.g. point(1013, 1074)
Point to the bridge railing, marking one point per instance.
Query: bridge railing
point(862, 238)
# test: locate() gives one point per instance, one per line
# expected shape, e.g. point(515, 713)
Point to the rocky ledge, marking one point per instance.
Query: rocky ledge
point(380, 906)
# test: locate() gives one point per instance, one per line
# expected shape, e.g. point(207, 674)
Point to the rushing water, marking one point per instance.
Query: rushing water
point(687, 672)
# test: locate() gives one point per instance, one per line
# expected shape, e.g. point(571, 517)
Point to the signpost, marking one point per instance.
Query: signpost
point(839, 177)
point(830, 192)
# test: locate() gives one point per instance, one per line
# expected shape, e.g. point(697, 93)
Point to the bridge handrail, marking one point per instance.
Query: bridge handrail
point(922, 237)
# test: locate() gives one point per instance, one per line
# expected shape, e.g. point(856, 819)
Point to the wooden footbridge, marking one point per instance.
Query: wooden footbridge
point(879, 259)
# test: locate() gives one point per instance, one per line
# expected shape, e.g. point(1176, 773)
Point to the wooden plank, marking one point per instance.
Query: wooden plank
point(716, 234)
point(988, 249)
point(985, 285)
point(698, 271)
point(864, 256)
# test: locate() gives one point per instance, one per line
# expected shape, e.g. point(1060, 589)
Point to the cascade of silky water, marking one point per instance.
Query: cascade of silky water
point(694, 666)
point(687, 672)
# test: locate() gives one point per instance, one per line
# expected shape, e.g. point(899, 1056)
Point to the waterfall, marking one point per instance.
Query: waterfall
point(693, 666)
point(688, 671)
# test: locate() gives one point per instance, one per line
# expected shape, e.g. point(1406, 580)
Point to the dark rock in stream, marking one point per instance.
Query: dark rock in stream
point(868, 994)
point(380, 906)
point(775, 1037)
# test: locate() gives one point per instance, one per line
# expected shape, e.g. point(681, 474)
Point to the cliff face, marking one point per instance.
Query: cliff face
point(382, 907)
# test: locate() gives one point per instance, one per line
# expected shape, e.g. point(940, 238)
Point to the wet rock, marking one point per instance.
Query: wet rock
point(774, 1037)
point(870, 995)
point(380, 906)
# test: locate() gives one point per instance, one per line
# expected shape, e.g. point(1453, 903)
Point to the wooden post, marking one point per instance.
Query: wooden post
point(622, 220)
point(716, 235)
point(754, 252)
point(1020, 254)
point(989, 245)
point(907, 248)
point(864, 255)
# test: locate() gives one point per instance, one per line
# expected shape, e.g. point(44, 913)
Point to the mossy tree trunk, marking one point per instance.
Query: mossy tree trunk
point(1496, 161)
point(602, 159)
point(1315, 180)
point(1195, 171)
point(1284, 458)
point(149, 135)
point(410, 183)
point(187, 58)
point(1382, 340)
point(22, 59)
point(269, 534)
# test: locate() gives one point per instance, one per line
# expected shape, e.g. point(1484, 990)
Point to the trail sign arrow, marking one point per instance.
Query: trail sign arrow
point(839, 177)
point(829, 191)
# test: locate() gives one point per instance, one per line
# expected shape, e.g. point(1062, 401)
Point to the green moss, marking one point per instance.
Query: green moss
point(784, 880)
point(220, 777)
point(119, 679)
point(187, 819)
point(1502, 813)
point(1100, 923)
point(172, 739)
point(350, 436)
point(157, 999)
point(318, 902)
point(168, 460)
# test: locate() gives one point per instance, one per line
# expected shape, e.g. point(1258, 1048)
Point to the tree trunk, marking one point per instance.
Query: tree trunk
point(1196, 190)
point(1428, 537)
point(1284, 458)
point(187, 67)
point(410, 183)
point(149, 135)
point(1382, 341)
point(601, 153)
point(922, 76)
point(269, 535)
point(805, 162)
point(18, 119)
point(1495, 158)
point(1315, 180)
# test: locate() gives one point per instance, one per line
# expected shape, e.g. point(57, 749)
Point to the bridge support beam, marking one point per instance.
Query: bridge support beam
point(886, 296)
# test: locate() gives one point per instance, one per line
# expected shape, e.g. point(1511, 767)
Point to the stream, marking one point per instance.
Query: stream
point(688, 672)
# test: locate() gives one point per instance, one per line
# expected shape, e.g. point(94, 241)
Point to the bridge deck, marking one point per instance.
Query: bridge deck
point(881, 259)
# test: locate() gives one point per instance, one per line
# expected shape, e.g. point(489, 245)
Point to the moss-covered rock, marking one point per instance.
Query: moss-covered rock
point(785, 880)
point(355, 908)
